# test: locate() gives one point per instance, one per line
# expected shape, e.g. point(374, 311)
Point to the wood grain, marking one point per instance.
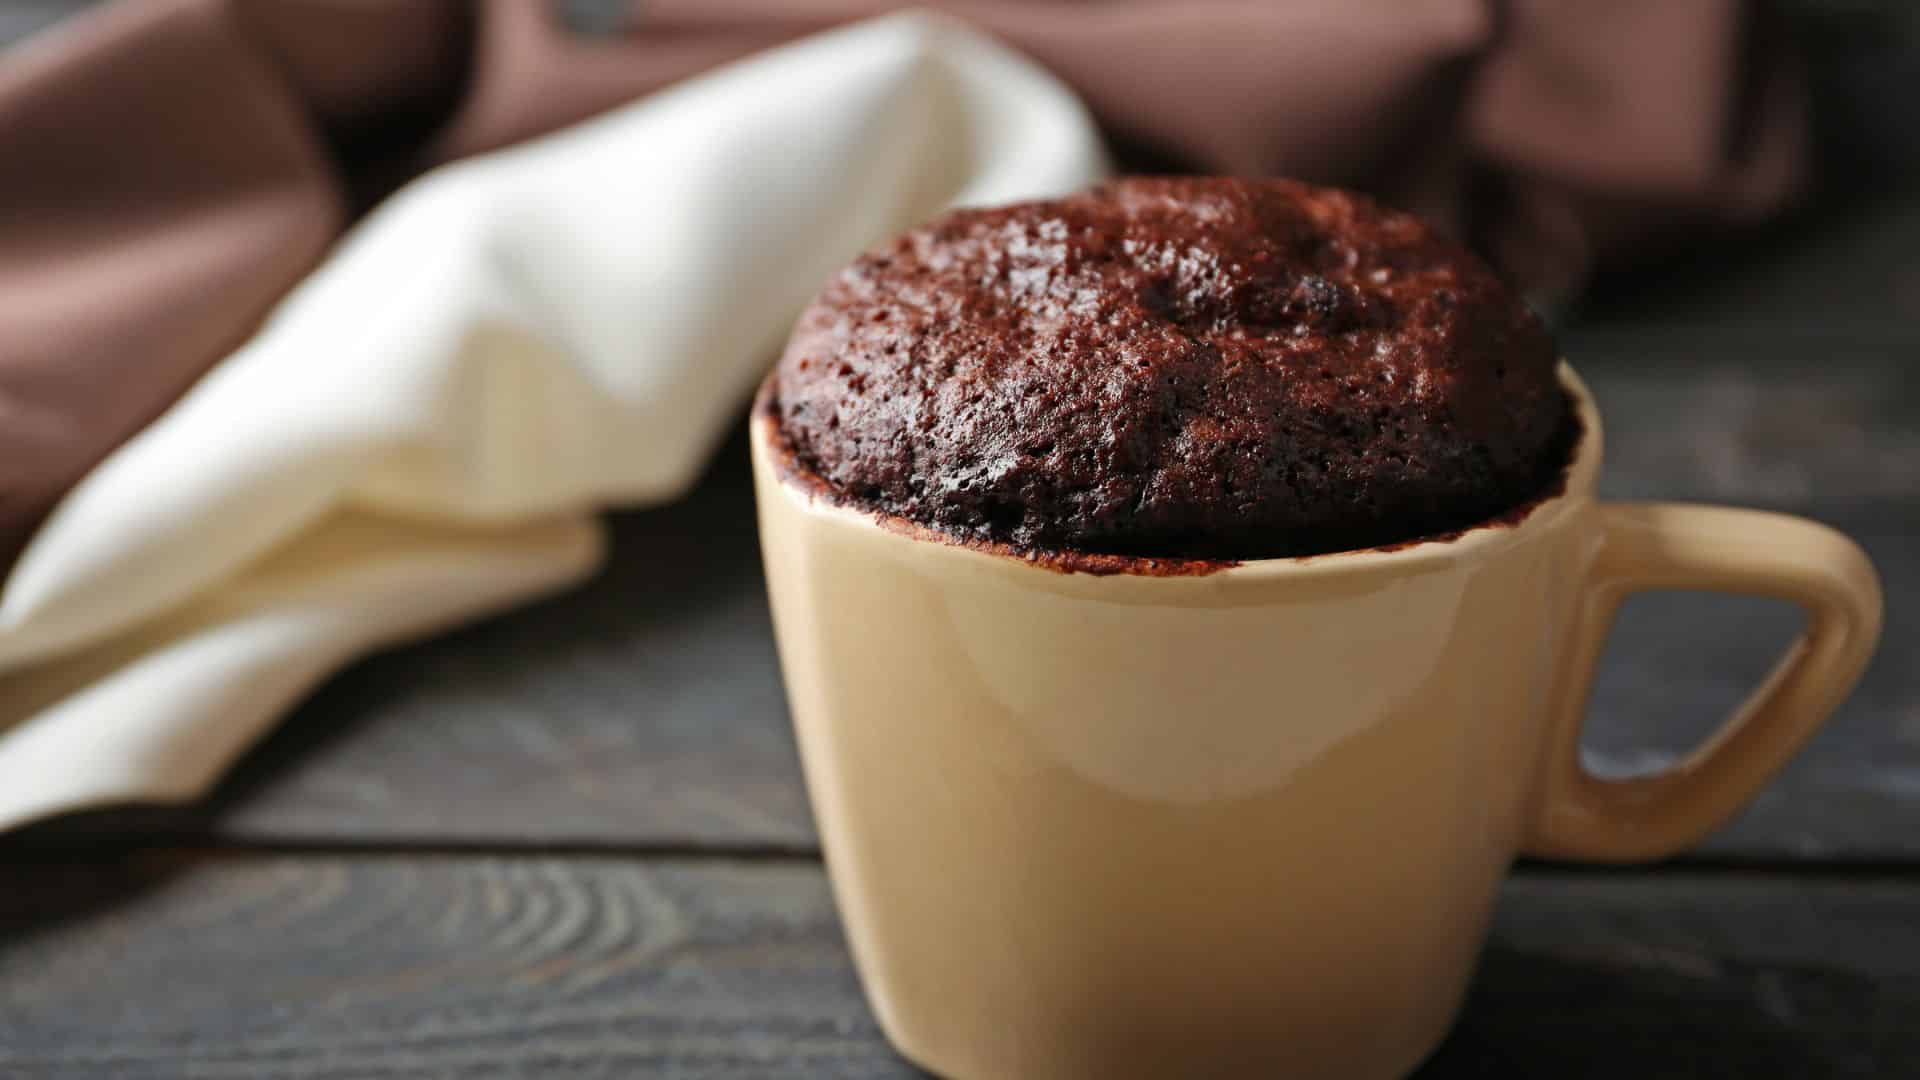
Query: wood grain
point(1695, 976)
point(381, 967)
point(377, 967)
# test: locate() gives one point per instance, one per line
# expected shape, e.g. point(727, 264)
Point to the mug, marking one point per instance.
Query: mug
point(1192, 819)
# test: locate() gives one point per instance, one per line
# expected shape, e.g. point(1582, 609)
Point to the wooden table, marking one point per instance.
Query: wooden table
point(573, 841)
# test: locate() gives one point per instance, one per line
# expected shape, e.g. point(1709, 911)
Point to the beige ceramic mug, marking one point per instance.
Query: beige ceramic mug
point(1250, 821)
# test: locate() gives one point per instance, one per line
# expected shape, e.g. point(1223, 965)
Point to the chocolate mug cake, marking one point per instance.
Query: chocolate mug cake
point(1201, 810)
point(1194, 368)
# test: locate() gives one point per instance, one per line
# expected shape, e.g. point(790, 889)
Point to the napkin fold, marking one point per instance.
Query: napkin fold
point(420, 431)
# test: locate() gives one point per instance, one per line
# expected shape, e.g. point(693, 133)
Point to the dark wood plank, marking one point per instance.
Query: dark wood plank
point(1684, 975)
point(375, 967)
point(420, 966)
point(1696, 414)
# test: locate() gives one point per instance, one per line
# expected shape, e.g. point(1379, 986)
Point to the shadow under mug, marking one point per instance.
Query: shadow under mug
point(1250, 821)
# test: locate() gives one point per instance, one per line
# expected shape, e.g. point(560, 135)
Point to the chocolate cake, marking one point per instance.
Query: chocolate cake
point(1184, 368)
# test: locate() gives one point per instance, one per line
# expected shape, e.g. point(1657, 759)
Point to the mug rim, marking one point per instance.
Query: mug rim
point(809, 494)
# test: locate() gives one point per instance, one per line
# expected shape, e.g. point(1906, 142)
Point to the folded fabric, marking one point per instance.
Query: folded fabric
point(171, 167)
point(420, 431)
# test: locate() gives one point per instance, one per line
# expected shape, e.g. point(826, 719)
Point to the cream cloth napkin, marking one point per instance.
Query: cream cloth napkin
point(420, 432)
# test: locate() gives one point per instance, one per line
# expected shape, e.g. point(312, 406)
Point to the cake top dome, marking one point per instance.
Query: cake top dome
point(1176, 367)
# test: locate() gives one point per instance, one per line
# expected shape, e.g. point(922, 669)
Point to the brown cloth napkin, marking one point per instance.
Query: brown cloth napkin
point(169, 168)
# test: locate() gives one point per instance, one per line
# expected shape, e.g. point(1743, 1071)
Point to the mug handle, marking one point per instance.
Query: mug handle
point(1677, 546)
